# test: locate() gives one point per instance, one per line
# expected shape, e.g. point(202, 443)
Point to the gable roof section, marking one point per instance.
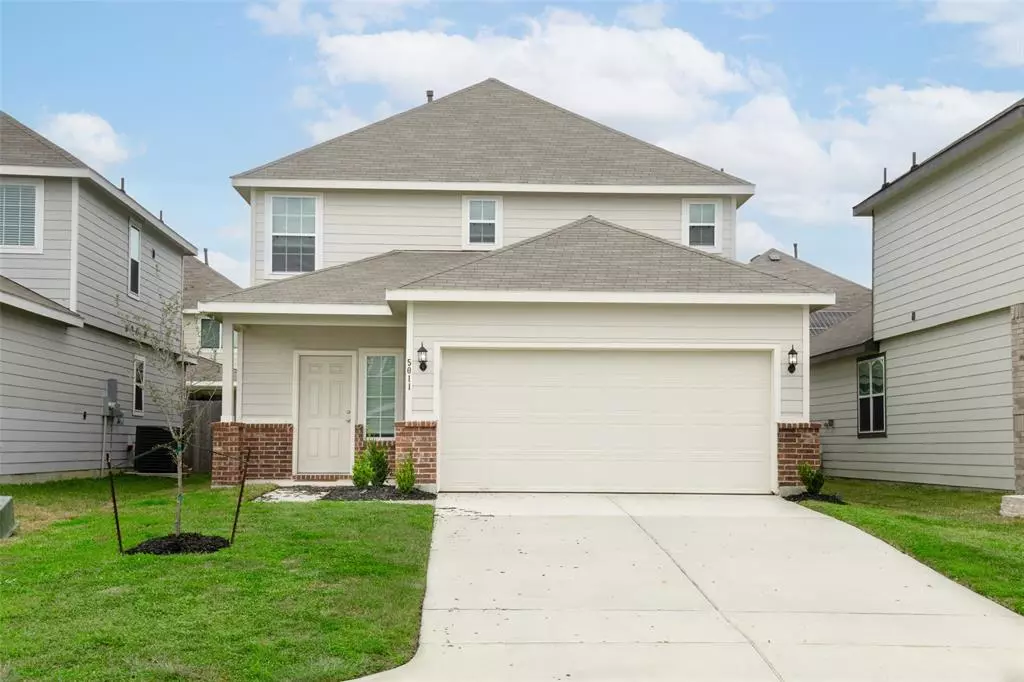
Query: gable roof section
point(22, 146)
point(490, 133)
point(18, 296)
point(203, 283)
point(852, 335)
point(594, 255)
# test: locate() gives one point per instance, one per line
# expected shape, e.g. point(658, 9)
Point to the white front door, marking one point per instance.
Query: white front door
point(325, 414)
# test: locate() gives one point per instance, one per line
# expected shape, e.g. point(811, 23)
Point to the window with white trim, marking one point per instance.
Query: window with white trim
point(381, 395)
point(139, 386)
point(134, 259)
point(209, 333)
point(871, 396)
point(482, 228)
point(21, 216)
point(293, 231)
point(702, 224)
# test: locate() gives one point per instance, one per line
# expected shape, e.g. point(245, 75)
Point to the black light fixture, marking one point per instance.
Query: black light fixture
point(421, 355)
point(792, 359)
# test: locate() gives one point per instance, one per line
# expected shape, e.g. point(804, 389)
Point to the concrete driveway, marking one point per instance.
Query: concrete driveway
point(690, 587)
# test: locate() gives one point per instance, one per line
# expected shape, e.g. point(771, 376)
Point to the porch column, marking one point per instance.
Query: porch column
point(227, 385)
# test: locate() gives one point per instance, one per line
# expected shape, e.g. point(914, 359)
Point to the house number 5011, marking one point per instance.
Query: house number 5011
point(408, 374)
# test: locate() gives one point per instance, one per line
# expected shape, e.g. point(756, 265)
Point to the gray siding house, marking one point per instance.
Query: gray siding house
point(77, 255)
point(928, 385)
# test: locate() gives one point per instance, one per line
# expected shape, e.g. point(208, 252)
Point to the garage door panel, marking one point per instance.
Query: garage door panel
point(605, 420)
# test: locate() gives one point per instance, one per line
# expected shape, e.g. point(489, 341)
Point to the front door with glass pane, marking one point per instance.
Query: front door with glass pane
point(324, 429)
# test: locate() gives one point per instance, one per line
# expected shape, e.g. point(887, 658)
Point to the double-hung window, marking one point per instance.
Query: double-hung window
point(381, 394)
point(134, 259)
point(871, 396)
point(701, 224)
point(21, 216)
point(139, 386)
point(482, 223)
point(209, 334)
point(294, 226)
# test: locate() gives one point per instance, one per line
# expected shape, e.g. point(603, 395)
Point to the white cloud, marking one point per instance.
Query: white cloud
point(88, 136)
point(235, 270)
point(335, 121)
point(291, 17)
point(286, 17)
point(750, 11)
point(751, 239)
point(643, 14)
point(999, 26)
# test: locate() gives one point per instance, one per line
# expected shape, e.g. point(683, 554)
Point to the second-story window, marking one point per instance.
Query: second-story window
point(21, 216)
point(482, 223)
point(134, 259)
point(209, 334)
point(293, 232)
point(701, 224)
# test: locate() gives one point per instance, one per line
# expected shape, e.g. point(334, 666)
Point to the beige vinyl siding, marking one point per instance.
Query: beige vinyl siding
point(52, 375)
point(268, 355)
point(47, 273)
point(952, 248)
point(948, 407)
point(780, 326)
point(103, 266)
point(362, 224)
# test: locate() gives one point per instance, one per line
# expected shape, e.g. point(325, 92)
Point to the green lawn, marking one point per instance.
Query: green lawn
point(957, 532)
point(320, 591)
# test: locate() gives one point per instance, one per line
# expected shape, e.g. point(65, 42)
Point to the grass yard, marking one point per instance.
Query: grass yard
point(315, 591)
point(959, 533)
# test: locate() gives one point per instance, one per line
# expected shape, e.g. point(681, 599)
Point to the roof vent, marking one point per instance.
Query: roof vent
point(430, 96)
point(774, 257)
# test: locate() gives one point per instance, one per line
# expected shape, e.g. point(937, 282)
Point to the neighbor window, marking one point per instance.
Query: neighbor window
point(209, 333)
point(139, 387)
point(482, 229)
point(21, 216)
point(381, 395)
point(702, 224)
point(871, 396)
point(292, 234)
point(134, 258)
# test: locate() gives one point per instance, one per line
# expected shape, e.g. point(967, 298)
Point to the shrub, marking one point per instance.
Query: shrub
point(813, 478)
point(405, 476)
point(362, 471)
point(377, 455)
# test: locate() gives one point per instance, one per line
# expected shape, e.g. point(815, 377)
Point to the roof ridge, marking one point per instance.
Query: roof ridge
point(49, 143)
point(816, 267)
point(373, 124)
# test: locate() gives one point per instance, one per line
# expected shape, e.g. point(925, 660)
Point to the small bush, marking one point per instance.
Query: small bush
point(405, 476)
point(377, 455)
point(813, 478)
point(362, 472)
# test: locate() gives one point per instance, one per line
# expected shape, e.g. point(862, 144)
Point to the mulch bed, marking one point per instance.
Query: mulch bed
point(820, 497)
point(186, 543)
point(348, 493)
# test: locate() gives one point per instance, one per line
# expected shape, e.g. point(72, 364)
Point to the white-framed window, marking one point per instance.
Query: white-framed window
point(871, 396)
point(134, 259)
point(139, 386)
point(482, 223)
point(209, 334)
point(382, 393)
point(21, 216)
point(293, 236)
point(702, 224)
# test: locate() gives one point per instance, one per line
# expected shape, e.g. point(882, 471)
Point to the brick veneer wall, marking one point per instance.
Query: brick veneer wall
point(389, 445)
point(420, 439)
point(270, 446)
point(1017, 369)
point(798, 442)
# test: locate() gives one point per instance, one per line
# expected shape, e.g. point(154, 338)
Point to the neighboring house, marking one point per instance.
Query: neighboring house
point(928, 386)
point(77, 255)
point(520, 299)
point(203, 339)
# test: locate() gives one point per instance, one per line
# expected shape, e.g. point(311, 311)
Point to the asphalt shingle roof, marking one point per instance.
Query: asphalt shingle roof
point(591, 254)
point(203, 283)
point(491, 132)
point(22, 146)
point(9, 286)
point(855, 330)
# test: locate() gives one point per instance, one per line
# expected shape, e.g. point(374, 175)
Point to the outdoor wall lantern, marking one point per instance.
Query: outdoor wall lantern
point(421, 355)
point(792, 359)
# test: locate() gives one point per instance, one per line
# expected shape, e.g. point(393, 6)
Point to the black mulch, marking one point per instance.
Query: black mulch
point(186, 543)
point(820, 497)
point(383, 492)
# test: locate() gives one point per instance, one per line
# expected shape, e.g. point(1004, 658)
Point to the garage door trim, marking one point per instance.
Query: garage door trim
point(776, 378)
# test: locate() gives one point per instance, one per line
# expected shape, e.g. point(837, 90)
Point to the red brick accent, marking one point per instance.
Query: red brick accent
point(269, 447)
point(389, 445)
point(420, 440)
point(798, 442)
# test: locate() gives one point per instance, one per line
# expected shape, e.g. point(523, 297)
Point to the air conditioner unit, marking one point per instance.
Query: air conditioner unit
point(7, 522)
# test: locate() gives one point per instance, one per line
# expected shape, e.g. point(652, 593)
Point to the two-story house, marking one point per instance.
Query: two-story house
point(520, 299)
point(78, 256)
point(928, 385)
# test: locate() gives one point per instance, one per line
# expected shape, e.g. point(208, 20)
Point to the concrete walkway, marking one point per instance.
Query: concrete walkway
point(687, 587)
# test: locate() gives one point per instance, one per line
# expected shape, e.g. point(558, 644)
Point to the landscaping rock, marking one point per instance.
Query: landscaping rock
point(186, 543)
point(342, 493)
point(1012, 506)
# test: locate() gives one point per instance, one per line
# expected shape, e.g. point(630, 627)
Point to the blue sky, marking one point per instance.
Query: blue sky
point(807, 100)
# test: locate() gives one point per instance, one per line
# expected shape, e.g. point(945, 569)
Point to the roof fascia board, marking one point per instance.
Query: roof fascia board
point(244, 308)
point(865, 348)
point(110, 189)
point(483, 296)
point(69, 319)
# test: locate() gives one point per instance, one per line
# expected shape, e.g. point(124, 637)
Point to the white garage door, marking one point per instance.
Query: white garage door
point(602, 421)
